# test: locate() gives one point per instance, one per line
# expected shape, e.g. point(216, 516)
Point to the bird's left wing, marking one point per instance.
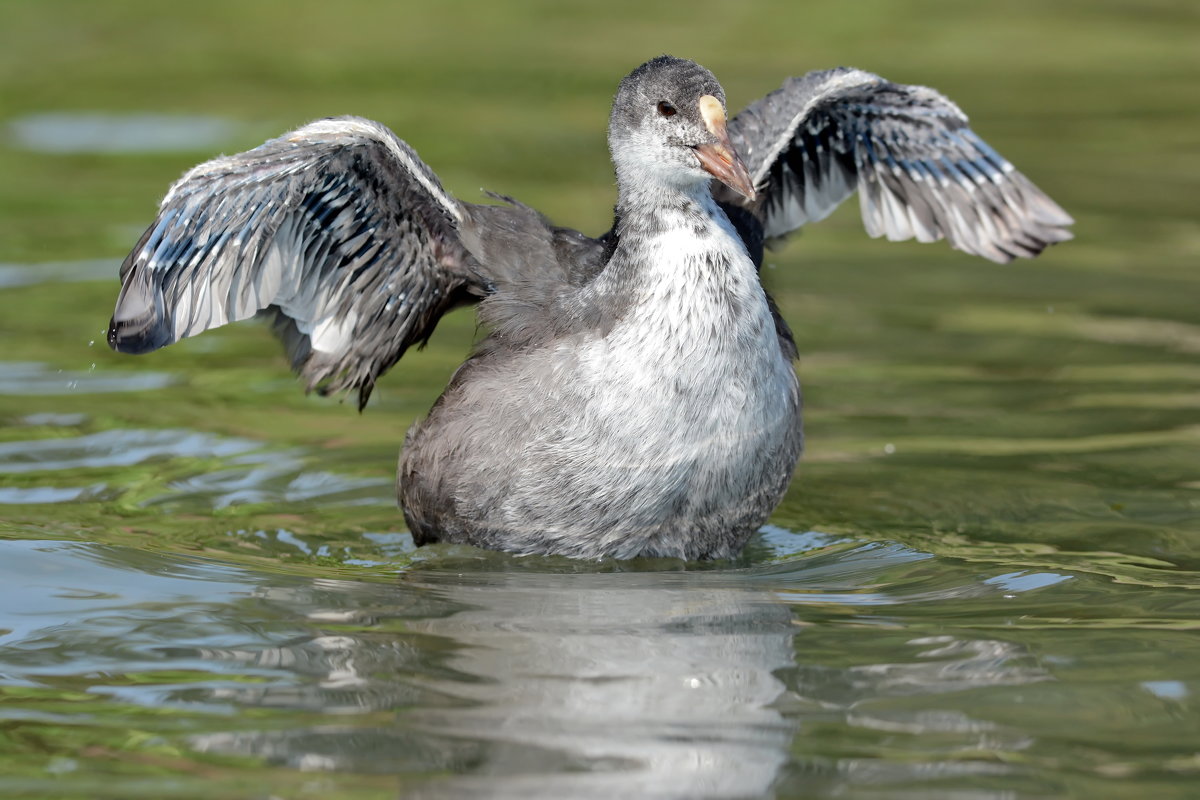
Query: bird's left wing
point(338, 229)
point(920, 171)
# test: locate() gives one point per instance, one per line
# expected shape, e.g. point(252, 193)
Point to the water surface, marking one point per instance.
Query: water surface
point(982, 584)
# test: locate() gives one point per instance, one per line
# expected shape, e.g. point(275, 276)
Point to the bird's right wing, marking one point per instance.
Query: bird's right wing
point(920, 171)
point(337, 228)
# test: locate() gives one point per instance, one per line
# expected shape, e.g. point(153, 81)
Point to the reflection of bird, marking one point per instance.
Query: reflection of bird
point(635, 394)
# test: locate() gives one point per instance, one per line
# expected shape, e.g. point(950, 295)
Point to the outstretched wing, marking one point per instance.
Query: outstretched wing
point(337, 228)
point(919, 170)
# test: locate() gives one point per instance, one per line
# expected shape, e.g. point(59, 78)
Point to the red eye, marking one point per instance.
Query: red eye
point(666, 109)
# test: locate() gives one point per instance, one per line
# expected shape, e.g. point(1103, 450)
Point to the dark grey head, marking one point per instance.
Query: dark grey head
point(668, 128)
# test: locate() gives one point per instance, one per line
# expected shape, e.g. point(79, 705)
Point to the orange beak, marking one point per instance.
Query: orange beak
point(720, 159)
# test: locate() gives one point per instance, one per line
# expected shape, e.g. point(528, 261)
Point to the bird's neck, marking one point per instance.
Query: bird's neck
point(639, 198)
point(685, 291)
point(670, 236)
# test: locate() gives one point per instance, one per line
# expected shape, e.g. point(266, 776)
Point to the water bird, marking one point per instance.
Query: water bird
point(635, 392)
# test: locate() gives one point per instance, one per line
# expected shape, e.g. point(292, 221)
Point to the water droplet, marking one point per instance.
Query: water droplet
point(92, 343)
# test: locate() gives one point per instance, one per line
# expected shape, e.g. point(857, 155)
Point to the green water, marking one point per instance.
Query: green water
point(983, 583)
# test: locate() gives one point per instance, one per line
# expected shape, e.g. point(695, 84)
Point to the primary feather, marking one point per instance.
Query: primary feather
point(920, 171)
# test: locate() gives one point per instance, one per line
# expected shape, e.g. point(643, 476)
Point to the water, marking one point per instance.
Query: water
point(982, 584)
point(75, 132)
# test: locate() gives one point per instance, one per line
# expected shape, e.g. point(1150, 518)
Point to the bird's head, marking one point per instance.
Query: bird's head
point(668, 127)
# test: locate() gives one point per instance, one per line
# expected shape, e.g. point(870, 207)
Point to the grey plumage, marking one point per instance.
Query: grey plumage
point(337, 230)
point(634, 395)
point(919, 170)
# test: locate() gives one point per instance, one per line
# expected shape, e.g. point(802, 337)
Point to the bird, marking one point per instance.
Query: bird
point(635, 393)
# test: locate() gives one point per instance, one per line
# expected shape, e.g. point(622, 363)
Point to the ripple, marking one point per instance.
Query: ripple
point(115, 448)
point(250, 472)
point(52, 585)
point(785, 544)
point(49, 419)
point(1160, 334)
point(37, 378)
point(98, 269)
point(39, 495)
point(273, 477)
point(1167, 690)
point(1026, 581)
point(99, 132)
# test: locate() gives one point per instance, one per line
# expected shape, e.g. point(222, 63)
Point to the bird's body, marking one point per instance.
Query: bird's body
point(635, 394)
point(673, 418)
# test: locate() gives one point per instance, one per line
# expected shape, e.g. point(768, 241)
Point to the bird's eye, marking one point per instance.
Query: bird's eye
point(666, 109)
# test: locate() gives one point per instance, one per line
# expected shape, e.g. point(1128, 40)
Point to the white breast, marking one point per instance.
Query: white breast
point(694, 371)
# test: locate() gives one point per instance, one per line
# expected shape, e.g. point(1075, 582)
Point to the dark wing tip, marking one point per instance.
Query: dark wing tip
point(133, 340)
point(138, 323)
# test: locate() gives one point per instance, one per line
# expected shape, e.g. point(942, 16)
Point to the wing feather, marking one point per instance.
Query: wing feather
point(337, 228)
point(920, 172)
